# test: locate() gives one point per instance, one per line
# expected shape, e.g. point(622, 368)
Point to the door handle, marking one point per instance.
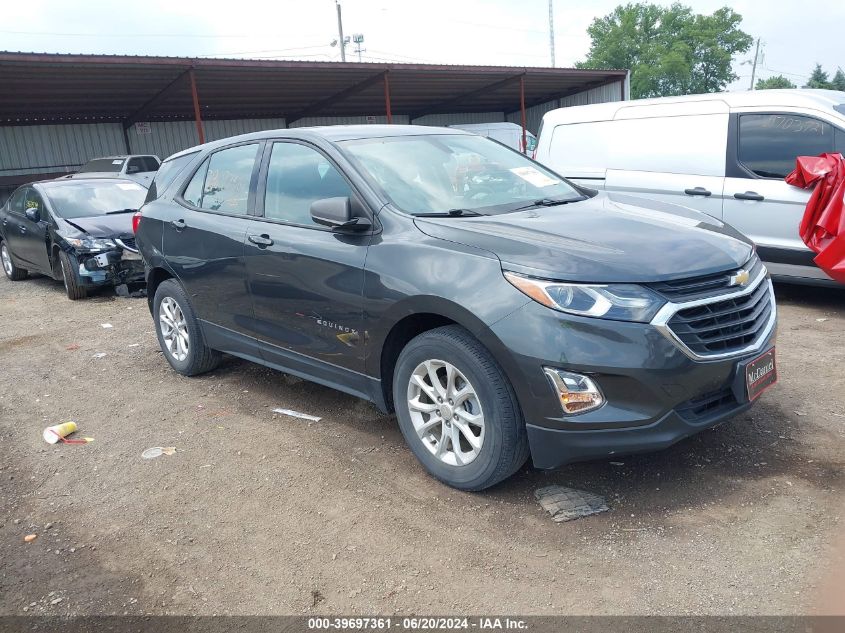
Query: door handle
point(262, 241)
point(749, 195)
point(178, 224)
point(698, 191)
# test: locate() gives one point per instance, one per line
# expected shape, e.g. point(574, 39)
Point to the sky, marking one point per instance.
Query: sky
point(795, 36)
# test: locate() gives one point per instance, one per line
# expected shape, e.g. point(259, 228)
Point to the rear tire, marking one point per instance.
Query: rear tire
point(179, 333)
point(15, 273)
point(73, 288)
point(467, 429)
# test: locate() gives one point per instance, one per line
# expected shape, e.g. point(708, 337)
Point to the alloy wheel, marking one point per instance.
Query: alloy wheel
point(446, 412)
point(7, 260)
point(174, 329)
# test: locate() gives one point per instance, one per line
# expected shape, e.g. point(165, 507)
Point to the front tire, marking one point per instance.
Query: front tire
point(457, 410)
point(73, 288)
point(179, 333)
point(13, 272)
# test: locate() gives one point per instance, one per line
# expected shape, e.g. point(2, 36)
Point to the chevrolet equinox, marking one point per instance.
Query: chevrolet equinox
point(498, 309)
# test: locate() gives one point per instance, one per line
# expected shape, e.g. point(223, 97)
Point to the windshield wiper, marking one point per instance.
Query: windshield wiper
point(121, 211)
point(547, 202)
point(451, 213)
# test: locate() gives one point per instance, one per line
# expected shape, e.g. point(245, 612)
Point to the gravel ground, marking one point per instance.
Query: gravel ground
point(259, 513)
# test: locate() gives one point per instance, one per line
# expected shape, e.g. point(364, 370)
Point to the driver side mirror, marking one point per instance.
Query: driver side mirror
point(33, 214)
point(340, 213)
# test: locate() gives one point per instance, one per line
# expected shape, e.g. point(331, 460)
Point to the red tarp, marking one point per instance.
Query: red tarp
point(823, 225)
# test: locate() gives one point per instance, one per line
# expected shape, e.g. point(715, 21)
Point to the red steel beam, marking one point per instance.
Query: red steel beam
point(522, 109)
point(387, 97)
point(197, 116)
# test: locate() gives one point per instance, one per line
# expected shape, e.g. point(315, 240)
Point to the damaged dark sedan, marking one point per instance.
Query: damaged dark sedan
point(76, 231)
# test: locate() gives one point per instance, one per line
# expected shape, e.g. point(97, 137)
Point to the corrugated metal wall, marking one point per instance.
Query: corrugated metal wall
point(399, 119)
point(602, 94)
point(168, 137)
point(44, 149)
point(34, 149)
point(463, 117)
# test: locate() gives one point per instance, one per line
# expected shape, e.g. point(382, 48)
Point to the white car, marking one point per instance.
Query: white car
point(140, 168)
point(724, 154)
point(509, 134)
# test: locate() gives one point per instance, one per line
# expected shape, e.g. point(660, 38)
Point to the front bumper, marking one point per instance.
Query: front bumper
point(655, 393)
point(110, 268)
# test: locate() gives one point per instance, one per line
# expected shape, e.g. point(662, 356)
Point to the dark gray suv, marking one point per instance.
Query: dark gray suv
point(499, 310)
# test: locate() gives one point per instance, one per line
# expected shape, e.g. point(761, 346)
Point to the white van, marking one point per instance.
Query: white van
point(724, 154)
point(509, 134)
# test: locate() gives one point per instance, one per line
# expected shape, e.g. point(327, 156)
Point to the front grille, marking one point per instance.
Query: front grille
point(725, 326)
point(128, 243)
point(693, 288)
point(707, 405)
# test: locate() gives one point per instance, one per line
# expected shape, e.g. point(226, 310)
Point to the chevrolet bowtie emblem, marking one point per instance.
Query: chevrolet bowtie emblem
point(740, 278)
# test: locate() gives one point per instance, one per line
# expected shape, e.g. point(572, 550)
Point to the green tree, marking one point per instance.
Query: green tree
point(778, 81)
point(838, 81)
point(818, 79)
point(669, 50)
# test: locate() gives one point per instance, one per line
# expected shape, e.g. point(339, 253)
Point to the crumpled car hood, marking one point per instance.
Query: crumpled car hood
point(607, 238)
point(118, 225)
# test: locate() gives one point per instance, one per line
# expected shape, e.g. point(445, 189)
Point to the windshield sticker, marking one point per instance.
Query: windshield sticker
point(117, 162)
point(534, 176)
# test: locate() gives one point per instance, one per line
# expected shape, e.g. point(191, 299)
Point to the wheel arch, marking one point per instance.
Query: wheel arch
point(412, 318)
point(155, 276)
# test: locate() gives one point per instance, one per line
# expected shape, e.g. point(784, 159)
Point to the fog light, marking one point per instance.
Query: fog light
point(577, 393)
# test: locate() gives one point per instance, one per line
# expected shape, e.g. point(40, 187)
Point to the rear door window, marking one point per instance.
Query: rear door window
point(16, 203)
point(770, 143)
point(222, 183)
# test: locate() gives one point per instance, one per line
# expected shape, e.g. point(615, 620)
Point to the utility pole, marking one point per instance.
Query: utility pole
point(754, 66)
point(341, 41)
point(358, 39)
point(552, 31)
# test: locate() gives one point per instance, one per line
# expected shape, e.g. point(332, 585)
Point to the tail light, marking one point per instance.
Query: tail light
point(136, 220)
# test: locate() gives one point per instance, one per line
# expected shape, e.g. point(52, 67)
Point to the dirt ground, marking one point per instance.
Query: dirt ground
point(259, 513)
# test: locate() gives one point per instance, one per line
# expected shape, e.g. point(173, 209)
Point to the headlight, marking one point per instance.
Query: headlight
point(90, 243)
point(622, 302)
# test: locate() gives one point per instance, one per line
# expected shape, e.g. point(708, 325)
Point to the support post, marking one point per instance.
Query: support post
point(387, 97)
point(522, 110)
point(197, 117)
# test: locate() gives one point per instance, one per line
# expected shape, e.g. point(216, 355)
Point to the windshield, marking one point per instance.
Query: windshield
point(84, 199)
point(102, 164)
point(437, 173)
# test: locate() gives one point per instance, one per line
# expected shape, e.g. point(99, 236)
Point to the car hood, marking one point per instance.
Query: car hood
point(607, 238)
point(118, 225)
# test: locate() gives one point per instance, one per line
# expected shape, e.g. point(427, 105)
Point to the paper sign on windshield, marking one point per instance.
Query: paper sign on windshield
point(534, 176)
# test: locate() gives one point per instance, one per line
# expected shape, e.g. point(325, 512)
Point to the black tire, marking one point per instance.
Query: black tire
point(15, 273)
point(504, 448)
point(73, 288)
point(200, 358)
